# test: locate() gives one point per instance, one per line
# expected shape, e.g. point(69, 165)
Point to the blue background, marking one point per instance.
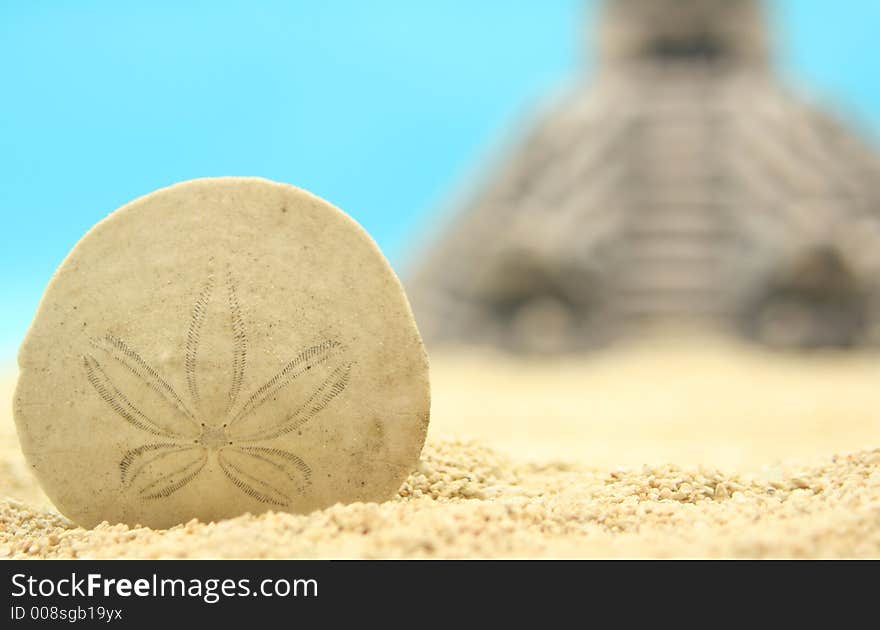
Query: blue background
point(387, 108)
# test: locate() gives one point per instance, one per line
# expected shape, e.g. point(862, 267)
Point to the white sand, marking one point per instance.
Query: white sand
point(699, 449)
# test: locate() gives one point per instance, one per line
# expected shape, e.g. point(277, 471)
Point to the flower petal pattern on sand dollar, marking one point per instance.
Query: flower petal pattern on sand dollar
point(270, 475)
point(145, 387)
point(216, 347)
point(213, 424)
point(160, 469)
point(125, 402)
point(275, 398)
point(267, 426)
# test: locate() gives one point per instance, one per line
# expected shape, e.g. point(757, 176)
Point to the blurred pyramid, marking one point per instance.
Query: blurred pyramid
point(686, 186)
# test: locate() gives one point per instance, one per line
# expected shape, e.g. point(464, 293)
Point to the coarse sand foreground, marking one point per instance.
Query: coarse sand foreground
point(696, 449)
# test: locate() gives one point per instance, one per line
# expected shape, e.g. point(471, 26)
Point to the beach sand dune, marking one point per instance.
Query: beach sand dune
point(673, 449)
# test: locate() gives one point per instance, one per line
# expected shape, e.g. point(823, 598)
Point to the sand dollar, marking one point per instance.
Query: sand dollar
point(219, 347)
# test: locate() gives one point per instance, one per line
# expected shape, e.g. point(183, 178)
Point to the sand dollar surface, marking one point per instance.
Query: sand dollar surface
point(219, 347)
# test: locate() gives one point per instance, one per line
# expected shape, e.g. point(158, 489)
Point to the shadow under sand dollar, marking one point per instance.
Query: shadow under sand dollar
point(214, 424)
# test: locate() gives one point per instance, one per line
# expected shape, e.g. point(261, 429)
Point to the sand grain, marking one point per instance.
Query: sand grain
point(725, 495)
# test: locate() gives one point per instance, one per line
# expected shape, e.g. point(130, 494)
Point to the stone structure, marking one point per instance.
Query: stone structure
point(685, 184)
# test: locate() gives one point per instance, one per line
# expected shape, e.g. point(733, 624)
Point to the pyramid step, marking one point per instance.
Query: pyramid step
point(644, 322)
point(667, 303)
point(665, 218)
point(685, 126)
point(635, 235)
point(664, 279)
point(676, 151)
point(677, 288)
point(712, 200)
point(651, 180)
point(675, 200)
point(667, 251)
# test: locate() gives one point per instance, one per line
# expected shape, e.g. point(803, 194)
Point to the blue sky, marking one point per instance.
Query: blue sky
point(387, 108)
